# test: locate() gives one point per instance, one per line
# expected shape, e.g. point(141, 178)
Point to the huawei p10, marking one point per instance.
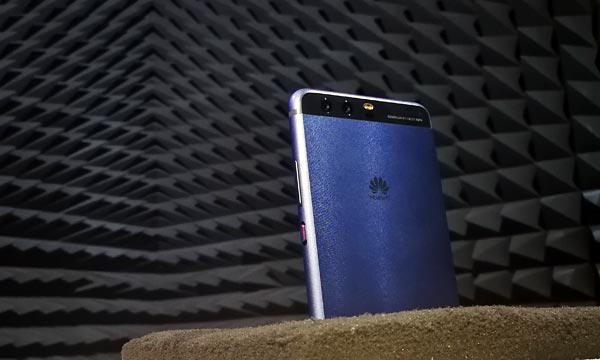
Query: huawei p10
point(371, 210)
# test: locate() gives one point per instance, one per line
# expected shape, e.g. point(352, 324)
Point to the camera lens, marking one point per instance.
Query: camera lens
point(347, 107)
point(326, 105)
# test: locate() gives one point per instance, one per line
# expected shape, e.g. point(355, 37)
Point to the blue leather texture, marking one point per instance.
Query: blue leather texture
point(380, 223)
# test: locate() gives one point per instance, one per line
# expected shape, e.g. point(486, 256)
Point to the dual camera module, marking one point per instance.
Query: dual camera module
point(327, 106)
point(368, 109)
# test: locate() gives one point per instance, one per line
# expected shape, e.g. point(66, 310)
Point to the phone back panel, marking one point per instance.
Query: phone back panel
point(382, 243)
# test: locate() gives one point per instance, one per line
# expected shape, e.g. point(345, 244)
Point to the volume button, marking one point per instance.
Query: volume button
point(298, 184)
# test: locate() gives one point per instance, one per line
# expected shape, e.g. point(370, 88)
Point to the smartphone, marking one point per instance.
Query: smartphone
point(371, 211)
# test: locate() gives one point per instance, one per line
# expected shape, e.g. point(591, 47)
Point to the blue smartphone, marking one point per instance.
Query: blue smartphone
point(370, 202)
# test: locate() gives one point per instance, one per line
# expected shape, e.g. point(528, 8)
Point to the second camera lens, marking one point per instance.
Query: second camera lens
point(347, 107)
point(326, 105)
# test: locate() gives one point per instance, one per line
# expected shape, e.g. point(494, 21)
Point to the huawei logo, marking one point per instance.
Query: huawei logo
point(379, 188)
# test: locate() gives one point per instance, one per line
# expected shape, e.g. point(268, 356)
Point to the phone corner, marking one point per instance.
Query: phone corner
point(426, 113)
point(295, 102)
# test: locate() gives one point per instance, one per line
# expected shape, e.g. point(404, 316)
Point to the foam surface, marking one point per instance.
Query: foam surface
point(491, 332)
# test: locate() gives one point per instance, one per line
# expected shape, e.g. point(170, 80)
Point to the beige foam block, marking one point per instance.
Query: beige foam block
point(494, 332)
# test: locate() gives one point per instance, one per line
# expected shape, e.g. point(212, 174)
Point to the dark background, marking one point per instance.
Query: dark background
point(146, 177)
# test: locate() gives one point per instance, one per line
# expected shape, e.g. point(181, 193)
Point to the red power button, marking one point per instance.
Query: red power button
point(303, 233)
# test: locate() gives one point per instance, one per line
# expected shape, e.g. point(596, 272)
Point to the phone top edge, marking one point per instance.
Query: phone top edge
point(295, 101)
